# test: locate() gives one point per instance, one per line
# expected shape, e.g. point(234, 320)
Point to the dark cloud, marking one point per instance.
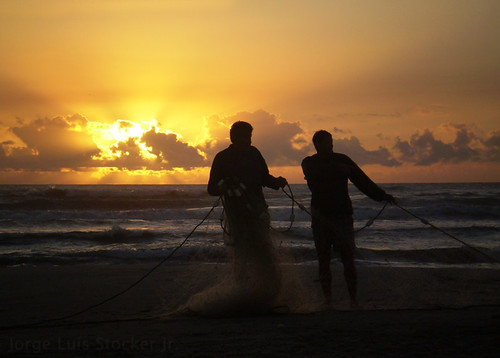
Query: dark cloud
point(494, 140)
point(129, 156)
point(284, 143)
point(281, 143)
point(51, 144)
point(218, 131)
point(492, 145)
point(65, 143)
point(124, 124)
point(425, 149)
point(352, 147)
point(171, 152)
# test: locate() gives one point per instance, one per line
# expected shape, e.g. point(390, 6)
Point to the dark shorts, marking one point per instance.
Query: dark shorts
point(333, 231)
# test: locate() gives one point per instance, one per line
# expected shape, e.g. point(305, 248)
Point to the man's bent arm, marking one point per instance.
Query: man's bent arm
point(215, 177)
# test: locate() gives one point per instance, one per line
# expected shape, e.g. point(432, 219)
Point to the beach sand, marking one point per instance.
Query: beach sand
point(404, 312)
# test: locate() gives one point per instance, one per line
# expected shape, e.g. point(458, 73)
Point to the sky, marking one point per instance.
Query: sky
point(144, 92)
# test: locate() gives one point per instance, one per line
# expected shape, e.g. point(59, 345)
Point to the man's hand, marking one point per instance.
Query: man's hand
point(281, 182)
point(390, 199)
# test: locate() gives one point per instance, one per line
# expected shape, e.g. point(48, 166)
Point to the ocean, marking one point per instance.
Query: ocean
point(106, 224)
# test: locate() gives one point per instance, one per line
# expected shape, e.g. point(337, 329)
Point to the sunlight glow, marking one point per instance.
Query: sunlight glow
point(111, 175)
point(123, 130)
point(108, 137)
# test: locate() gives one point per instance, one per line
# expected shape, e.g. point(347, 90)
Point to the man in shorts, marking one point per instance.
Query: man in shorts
point(327, 174)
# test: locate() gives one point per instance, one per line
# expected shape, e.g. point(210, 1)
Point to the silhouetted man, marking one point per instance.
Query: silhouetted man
point(327, 174)
point(238, 173)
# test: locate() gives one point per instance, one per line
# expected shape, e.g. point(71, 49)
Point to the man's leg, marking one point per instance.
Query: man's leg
point(323, 250)
point(350, 273)
point(347, 249)
point(323, 238)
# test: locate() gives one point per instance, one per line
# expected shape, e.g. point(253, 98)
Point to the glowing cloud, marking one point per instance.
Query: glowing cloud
point(141, 152)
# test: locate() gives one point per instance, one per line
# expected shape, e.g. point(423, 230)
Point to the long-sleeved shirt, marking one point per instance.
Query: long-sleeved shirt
point(327, 178)
point(249, 167)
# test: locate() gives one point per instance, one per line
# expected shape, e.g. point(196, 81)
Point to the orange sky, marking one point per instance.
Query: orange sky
point(144, 91)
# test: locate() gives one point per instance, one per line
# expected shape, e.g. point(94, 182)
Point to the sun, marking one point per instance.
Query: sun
point(123, 130)
point(108, 136)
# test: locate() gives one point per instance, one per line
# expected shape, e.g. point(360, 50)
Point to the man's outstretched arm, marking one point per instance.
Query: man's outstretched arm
point(367, 186)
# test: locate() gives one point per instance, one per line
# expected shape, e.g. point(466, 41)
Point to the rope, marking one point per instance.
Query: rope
point(371, 220)
point(426, 222)
point(301, 206)
point(44, 322)
point(369, 223)
point(291, 196)
point(292, 215)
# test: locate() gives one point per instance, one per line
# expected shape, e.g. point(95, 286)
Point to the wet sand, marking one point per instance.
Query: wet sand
point(404, 312)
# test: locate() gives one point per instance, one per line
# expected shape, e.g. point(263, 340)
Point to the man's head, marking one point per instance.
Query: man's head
point(241, 134)
point(323, 142)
